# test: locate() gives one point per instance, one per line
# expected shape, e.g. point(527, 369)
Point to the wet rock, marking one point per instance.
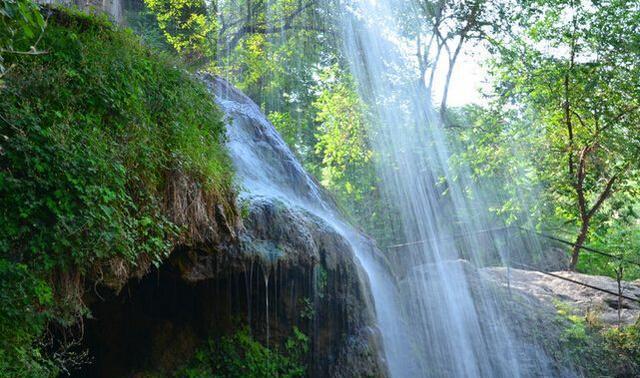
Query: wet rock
point(314, 282)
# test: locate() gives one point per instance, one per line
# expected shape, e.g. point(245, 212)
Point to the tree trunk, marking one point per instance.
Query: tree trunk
point(433, 69)
point(445, 94)
point(582, 236)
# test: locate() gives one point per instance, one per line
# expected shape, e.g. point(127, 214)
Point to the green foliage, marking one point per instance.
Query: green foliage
point(272, 52)
point(188, 27)
point(499, 148)
point(595, 81)
point(342, 138)
point(25, 301)
point(144, 24)
point(286, 127)
point(347, 167)
point(21, 24)
point(241, 356)
point(597, 350)
point(624, 343)
point(621, 241)
point(560, 135)
point(89, 135)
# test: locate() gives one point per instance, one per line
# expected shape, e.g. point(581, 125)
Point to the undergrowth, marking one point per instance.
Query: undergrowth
point(241, 356)
point(597, 350)
point(90, 132)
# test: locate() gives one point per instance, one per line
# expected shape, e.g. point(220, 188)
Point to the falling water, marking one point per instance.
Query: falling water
point(266, 301)
point(267, 168)
point(436, 316)
point(457, 326)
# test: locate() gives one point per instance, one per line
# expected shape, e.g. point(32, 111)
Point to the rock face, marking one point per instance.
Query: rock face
point(548, 289)
point(293, 269)
point(289, 262)
point(294, 233)
point(529, 300)
point(502, 315)
point(113, 8)
point(544, 308)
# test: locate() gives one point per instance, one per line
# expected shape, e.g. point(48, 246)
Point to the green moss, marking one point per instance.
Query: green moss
point(90, 132)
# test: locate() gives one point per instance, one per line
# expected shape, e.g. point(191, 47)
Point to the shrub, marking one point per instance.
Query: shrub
point(240, 356)
point(598, 350)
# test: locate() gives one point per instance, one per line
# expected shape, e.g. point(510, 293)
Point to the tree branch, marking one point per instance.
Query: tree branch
point(604, 195)
point(264, 29)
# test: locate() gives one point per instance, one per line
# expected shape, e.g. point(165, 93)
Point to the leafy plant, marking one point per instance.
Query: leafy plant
point(21, 27)
point(90, 134)
point(598, 350)
point(241, 356)
point(187, 26)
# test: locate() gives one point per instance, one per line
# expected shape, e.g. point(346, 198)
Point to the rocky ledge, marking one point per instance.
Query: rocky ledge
point(549, 289)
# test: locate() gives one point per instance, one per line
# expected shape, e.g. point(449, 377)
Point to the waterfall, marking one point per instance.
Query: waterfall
point(457, 328)
point(267, 168)
point(436, 315)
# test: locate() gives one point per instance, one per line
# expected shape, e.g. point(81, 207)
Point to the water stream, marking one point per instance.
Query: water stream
point(457, 326)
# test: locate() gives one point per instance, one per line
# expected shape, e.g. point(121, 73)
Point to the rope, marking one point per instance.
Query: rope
point(596, 251)
point(544, 235)
point(455, 236)
point(527, 267)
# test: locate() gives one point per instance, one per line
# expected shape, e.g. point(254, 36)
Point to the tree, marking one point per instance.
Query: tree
point(577, 67)
point(188, 25)
point(446, 26)
point(239, 19)
point(347, 159)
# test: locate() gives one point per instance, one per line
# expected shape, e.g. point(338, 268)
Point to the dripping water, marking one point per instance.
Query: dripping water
point(266, 299)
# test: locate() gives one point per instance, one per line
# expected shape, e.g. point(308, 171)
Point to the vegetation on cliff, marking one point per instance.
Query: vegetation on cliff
point(94, 126)
point(241, 356)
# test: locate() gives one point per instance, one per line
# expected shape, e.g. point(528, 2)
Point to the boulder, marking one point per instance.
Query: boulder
point(549, 289)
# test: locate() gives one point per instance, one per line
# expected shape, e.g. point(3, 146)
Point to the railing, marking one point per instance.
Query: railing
point(520, 265)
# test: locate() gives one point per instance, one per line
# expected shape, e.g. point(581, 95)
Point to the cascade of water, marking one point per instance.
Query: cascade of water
point(266, 167)
point(439, 320)
point(457, 327)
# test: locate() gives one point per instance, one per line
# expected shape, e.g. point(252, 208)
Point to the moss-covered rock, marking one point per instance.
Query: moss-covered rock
point(110, 155)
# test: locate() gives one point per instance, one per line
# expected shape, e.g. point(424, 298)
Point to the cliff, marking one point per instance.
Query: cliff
point(124, 241)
